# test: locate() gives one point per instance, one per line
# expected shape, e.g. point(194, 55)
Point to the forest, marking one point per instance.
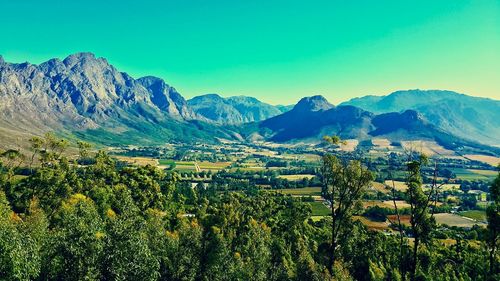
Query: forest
point(90, 217)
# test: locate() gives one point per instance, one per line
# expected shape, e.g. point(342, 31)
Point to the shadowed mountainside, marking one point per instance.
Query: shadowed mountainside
point(465, 116)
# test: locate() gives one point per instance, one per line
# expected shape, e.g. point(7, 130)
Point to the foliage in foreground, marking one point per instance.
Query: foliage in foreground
point(92, 219)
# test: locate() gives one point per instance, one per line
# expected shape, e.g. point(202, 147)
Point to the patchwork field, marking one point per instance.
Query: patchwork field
point(141, 161)
point(427, 147)
point(305, 191)
point(373, 225)
point(456, 220)
point(473, 174)
point(350, 145)
point(385, 204)
point(300, 157)
point(449, 187)
point(297, 177)
point(186, 166)
point(380, 187)
point(492, 160)
point(398, 185)
point(475, 215)
point(213, 166)
point(319, 209)
point(383, 145)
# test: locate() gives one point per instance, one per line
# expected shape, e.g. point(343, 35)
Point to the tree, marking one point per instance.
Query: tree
point(180, 254)
point(493, 215)
point(420, 220)
point(19, 250)
point(344, 184)
point(127, 252)
point(77, 245)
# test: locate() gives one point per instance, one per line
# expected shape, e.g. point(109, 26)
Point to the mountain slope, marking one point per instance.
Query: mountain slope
point(468, 117)
point(314, 117)
point(232, 110)
point(87, 96)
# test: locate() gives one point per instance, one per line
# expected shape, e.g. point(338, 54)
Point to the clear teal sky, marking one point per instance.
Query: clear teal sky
point(275, 50)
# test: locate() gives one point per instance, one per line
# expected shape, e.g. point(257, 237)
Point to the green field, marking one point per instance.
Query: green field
point(475, 214)
point(166, 162)
point(469, 174)
point(213, 165)
point(319, 209)
point(304, 191)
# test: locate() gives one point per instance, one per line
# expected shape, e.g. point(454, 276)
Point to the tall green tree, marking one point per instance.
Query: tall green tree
point(344, 183)
point(421, 221)
point(77, 243)
point(493, 215)
point(127, 252)
point(20, 257)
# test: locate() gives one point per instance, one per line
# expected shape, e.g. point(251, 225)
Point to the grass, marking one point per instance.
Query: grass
point(380, 187)
point(488, 173)
point(455, 220)
point(319, 209)
point(427, 147)
point(449, 187)
point(295, 177)
point(373, 225)
point(475, 215)
point(469, 174)
point(304, 191)
point(305, 157)
point(399, 185)
point(248, 169)
point(350, 145)
point(166, 162)
point(385, 204)
point(493, 161)
point(141, 161)
point(214, 166)
point(382, 143)
point(405, 219)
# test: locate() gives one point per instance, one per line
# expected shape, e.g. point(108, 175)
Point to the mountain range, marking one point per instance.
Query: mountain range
point(471, 118)
point(233, 110)
point(85, 97)
point(314, 117)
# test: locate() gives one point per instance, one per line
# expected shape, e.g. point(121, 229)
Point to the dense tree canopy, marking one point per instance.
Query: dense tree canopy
point(93, 219)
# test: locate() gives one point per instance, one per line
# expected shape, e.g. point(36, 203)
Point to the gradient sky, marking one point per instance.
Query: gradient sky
point(277, 51)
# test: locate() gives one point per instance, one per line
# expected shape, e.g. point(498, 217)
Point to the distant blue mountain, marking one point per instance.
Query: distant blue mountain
point(314, 117)
point(468, 117)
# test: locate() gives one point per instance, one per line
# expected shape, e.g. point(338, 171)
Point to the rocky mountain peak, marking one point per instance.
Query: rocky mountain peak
point(313, 103)
point(166, 97)
point(85, 60)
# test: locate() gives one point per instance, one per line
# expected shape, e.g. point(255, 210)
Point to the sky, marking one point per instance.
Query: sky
point(277, 51)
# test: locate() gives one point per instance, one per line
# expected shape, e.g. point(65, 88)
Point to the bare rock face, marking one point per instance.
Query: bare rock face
point(233, 110)
point(167, 98)
point(83, 92)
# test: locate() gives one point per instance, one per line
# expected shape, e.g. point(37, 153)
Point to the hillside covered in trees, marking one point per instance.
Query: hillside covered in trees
point(93, 218)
